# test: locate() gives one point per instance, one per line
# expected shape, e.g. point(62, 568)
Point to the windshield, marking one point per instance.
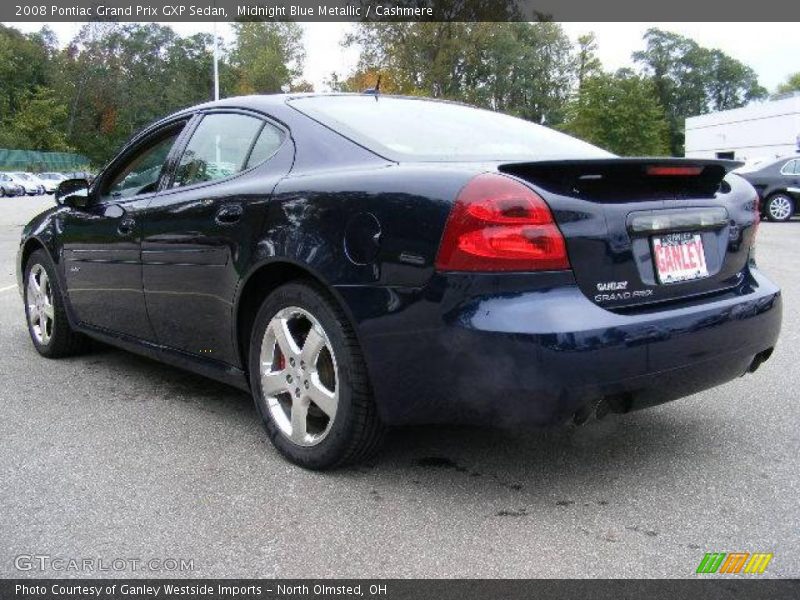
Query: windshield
point(412, 129)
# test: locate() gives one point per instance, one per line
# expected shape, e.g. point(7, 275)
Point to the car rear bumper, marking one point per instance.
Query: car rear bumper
point(447, 354)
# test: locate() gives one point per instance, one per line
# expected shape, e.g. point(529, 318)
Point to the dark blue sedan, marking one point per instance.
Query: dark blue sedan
point(363, 261)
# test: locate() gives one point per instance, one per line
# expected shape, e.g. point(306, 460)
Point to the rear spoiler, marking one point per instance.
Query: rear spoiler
point(626, 179)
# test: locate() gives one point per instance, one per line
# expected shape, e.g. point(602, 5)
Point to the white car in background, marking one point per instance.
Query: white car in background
point(50, 181)
point(31, 185)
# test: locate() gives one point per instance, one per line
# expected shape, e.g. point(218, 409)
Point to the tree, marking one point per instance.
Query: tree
point(522, 68)
point(792, 84)
point(267, 56)
point(113, 79)
point(37, 124)
point(692, 80)
point(588, 64)
point(23, 66)
point(117, 78)
point(619, 112)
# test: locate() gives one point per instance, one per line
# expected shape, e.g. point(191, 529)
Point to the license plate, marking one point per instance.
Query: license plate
point(679, 257)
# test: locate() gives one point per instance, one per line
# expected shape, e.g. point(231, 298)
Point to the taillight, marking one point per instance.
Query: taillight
point(498, 224)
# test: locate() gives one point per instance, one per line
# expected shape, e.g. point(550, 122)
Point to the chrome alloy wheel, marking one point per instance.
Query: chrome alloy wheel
point(780, 208)
point(299, 376)
point(39, 297)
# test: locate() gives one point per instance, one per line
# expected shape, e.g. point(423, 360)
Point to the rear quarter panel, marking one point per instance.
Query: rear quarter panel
point(375, 226)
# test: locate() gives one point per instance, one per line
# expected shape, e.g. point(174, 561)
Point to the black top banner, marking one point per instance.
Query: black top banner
point(398, 10)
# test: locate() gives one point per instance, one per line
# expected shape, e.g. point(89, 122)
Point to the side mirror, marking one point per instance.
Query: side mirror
point(73, 192)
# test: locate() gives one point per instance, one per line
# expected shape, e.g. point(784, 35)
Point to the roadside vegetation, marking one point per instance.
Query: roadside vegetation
point(93, 93)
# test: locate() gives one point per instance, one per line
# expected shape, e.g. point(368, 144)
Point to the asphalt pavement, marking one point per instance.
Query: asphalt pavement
point(113, 457)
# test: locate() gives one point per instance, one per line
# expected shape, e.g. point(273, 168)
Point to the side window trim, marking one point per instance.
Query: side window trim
point(192, 127)
point(171, 164)
point(249, 152)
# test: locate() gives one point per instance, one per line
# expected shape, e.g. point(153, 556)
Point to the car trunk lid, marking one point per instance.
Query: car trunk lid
point(640, 231)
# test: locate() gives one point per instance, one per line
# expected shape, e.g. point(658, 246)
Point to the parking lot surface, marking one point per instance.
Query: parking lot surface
point(112, 456)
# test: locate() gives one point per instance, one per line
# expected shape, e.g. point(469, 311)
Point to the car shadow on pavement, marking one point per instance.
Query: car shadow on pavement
point(512, 461)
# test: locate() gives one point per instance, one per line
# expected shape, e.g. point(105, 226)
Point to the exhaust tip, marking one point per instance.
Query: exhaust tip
point(759, 359)
point(597, 410)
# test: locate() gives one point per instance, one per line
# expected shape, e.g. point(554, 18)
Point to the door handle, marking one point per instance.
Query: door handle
point(229, 214)
point(126, 226)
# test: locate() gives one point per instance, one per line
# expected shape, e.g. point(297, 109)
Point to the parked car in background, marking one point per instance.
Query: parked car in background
point(778, 185)
point(51, 181)
point(30, 186)
point(358, 261)
point(8, 187)
point(35, 178)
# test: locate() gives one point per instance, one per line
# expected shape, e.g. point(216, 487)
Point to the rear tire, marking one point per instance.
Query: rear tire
point(779, 207)
point(309, 380)
point(45, 313)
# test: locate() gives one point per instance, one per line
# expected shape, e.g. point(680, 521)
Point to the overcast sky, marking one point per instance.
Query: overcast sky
point(771, 49)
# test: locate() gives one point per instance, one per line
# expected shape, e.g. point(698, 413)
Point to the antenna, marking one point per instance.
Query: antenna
point(374, 90)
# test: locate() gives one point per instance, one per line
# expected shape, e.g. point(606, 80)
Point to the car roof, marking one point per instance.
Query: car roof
point(265, 102)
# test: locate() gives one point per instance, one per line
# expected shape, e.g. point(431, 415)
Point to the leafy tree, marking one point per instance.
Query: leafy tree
point(23, 66)
point(267, 56)
point(37, 124)
point(792, 84)
point(525, 69)
point(113, 79)
point(692, 80)
point(619, 112)
point(521, 68)
point(117, 78)
point(588, 64)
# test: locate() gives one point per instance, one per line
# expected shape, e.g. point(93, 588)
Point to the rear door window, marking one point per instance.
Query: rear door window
point(791, 167)
point(266, 145)
point(219, 148)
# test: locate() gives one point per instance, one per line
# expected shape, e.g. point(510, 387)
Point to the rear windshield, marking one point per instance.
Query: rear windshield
point(411, 129)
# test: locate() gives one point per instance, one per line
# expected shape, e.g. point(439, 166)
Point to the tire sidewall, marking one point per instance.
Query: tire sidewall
point(327, 452)
point(769, 204)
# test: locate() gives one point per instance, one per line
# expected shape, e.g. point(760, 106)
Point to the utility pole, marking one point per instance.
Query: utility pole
point(216, 63)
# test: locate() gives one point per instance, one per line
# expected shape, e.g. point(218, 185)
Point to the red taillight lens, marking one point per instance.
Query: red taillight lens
point(498, 224)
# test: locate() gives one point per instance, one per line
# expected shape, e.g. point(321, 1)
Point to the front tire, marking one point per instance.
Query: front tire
point(779, 207)
point(45, 313)
point(309, 380)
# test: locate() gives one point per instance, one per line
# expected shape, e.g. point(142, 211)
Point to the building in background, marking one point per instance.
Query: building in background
point(752, 133)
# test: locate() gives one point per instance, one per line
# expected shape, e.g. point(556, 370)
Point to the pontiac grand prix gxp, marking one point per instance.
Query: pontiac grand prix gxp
point(361, 261)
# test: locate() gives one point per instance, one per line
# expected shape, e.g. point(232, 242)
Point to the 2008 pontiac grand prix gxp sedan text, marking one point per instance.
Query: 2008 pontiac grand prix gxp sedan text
point(358, 261)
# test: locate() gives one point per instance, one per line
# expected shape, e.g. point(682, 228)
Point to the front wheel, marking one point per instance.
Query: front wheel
point(309, 380)
point(780, 207)
point(48, 324)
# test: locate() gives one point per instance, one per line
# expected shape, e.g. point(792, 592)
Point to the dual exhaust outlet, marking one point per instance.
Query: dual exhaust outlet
point(621, 403)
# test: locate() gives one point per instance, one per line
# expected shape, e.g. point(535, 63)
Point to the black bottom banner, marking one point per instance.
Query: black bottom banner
point(395, 589)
